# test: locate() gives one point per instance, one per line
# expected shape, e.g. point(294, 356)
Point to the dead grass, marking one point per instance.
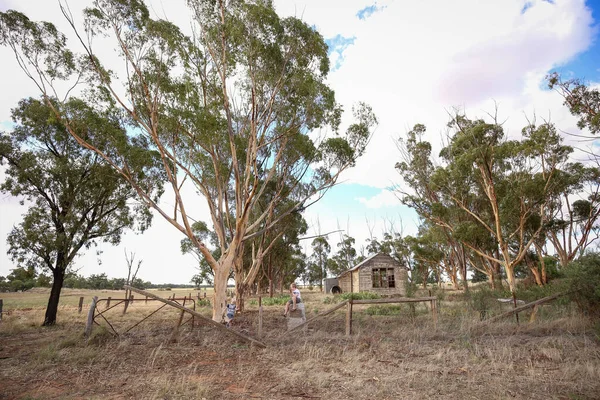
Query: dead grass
point(393, 356)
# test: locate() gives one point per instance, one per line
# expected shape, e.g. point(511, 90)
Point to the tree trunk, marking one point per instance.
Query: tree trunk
point(491, 280)
point(52, 309)
point(239, 295)
point(271, 287)
point(510, 275)
point(220, 287)
point(536, 274)
point(538, 250)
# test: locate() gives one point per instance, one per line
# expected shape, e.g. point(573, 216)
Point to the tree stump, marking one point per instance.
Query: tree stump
point(296, 317)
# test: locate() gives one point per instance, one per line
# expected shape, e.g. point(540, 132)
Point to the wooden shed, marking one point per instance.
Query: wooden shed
point(379, 274)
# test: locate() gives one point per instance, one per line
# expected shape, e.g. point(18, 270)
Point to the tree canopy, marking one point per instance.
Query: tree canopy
point(74, 198)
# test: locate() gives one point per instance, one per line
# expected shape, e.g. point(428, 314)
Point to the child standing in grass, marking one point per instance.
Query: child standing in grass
point(296, 298)
point(229, 312)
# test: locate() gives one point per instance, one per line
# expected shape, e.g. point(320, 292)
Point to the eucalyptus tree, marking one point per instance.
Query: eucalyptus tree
point(574, 215)
point(74, 198)
point(285, 259)
point(319, 260)
point(515, 178)
point(228, 108)
point(417, 170)
point(581, 98)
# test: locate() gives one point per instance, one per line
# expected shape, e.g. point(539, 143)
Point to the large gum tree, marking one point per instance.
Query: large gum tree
point(232, 108)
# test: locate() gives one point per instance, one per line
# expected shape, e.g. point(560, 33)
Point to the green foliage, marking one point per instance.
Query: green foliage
point(582, 100)
point(583, 279)
point(484, 300)
point(275, 301)
point(203, 303)
point(535, 292)
point(347, 296)
point(384, 310)
point(75, 198)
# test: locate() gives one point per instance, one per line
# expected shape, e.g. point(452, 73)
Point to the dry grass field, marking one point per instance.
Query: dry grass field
point(392, 354)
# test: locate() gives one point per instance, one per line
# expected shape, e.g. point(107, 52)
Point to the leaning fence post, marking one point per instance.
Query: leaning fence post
point(90, 318)
point(260, 317)
point(80, 304)
point(349, 318)
point(0, 309)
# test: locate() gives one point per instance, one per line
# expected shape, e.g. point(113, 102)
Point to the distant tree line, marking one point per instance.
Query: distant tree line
point(22, 279)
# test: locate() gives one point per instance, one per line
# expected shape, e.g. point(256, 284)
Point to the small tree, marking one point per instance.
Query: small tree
point(131, 277)
point(74, 198)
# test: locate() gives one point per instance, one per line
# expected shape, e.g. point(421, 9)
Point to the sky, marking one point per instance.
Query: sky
point(412, 61)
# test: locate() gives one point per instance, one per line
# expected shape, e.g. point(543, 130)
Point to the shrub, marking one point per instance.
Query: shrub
point(384, 310)
point(583, 279)
point(275, 301)
point(359, 296)
point(484, 299)
point(203, 303)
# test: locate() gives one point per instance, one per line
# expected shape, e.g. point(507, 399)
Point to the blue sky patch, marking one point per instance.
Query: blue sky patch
point(366, 12)
point(529, 4)
point(338, 44)
point(586, 65)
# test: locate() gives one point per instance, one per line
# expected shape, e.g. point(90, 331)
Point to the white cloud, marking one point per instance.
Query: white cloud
point(385, 198)
point(413, 61)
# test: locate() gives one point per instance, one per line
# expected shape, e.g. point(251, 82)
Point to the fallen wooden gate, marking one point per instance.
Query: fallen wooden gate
point(178, 306)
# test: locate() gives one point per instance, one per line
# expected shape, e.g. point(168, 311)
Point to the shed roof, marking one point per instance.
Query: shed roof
point(357, 266)
point(360, 264)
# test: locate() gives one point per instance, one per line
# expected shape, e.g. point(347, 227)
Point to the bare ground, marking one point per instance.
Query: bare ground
point(388, 357)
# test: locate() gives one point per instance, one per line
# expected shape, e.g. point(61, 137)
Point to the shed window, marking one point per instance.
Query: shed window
point(383, 278)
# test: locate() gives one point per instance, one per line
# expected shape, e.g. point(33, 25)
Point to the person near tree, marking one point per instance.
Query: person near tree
point(296, 299)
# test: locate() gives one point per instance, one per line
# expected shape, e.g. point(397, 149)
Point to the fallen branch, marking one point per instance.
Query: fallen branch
point(522, 308)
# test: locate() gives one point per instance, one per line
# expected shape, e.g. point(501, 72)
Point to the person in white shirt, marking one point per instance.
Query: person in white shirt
point(296, 298)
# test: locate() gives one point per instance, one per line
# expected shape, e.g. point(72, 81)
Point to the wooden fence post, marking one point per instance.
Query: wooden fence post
point(176, 329)
point(533, 313)
point(434, 313)
point(80, 304)
point(349, 318)
point(90, 318)
point(514, 296)
point(260, 317)
point(146, 302)
point(108, 302)
point(127, 304)
point(1, 309)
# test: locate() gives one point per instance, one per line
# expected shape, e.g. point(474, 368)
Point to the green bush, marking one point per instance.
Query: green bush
point(532, 293)
point(275, 301)
point(359, 296)
point(483, 299)
point(583, 279)
point(384, 310)
point(203, 303)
